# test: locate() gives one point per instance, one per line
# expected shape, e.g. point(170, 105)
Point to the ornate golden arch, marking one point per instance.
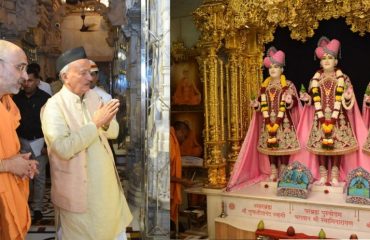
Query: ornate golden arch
point(241, 28)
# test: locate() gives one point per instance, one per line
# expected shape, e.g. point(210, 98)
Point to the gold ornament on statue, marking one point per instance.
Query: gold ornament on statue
point(241, 28)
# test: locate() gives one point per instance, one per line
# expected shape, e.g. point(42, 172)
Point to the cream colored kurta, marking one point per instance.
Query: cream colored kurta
point(104, 217)
point(107, 212)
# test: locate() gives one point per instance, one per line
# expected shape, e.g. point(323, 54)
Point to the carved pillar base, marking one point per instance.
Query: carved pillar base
point(233, 155)
point(216, 176)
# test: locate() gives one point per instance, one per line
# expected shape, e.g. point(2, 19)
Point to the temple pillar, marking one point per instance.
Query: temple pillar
point(135, 194)
point(234, 92)
point(251, 62)
point(209, 19)
point(155, 63)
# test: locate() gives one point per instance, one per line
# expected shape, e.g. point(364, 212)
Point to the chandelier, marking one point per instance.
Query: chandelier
point(86, 6)
point(86, 2)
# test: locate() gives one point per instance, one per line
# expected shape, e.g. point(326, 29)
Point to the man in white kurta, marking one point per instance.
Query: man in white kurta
point(86, 190)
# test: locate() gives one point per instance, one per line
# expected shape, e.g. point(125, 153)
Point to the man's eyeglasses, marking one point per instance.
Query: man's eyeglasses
point(20, 67)
point(95, 73)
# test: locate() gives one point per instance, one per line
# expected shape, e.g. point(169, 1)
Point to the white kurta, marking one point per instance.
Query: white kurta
point(107, 212)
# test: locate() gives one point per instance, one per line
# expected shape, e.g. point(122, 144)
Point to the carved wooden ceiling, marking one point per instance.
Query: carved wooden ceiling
point(302, 17)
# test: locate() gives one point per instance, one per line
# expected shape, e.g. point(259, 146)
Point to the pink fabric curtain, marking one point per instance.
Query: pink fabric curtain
point(358, 158)
point(252, 166)
point(303, 131)
point(349, 161)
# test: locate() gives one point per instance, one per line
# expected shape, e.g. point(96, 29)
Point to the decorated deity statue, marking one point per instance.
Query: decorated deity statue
point(331, 134)
point(271, 136)
point(278, 96)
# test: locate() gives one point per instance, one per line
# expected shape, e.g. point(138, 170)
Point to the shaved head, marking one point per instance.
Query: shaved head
point(8, 48)
point(13, 61)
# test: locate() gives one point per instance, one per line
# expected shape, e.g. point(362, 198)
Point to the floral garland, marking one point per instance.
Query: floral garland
point(272, 127)
point(327, 125)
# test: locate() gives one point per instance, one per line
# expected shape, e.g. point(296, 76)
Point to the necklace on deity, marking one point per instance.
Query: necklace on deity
point(272, 126)
point(327, 124)
point(272, 94)
point(328, 90)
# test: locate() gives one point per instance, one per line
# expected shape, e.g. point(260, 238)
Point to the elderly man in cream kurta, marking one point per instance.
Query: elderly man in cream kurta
point(86, 190)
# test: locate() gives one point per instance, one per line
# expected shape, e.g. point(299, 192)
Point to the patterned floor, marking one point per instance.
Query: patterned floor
point(45, 230)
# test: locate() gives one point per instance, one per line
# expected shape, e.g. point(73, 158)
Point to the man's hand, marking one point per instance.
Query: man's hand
point(304, 96)
point(105, 114)
point(254, 103)
point(183, 181)
point(21, 165)
point(287, 97)
point(44, 150)
point(187, 182)
point(367, 99)
point(348, 93)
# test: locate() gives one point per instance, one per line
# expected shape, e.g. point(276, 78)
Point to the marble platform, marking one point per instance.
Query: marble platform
point(340, 188)
point(328, 209)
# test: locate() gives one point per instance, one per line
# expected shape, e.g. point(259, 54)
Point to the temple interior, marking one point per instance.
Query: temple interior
point(115, 35)
point(238, 119)
point(244, 184)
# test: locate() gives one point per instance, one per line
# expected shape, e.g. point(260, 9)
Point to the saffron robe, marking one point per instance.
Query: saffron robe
point(15, 217)
point(175, 158)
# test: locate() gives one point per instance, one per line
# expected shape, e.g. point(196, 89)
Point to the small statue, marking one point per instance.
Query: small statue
point(288, 176)
point(295, 181)
point(299, 176)
point(358, 189)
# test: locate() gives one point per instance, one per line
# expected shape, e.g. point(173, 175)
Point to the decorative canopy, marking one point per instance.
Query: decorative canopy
point(300, 16)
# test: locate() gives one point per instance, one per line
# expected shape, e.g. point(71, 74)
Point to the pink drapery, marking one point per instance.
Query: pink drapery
point(349, 161)
point(303, 132)
point(358, 158)
point(252, 166)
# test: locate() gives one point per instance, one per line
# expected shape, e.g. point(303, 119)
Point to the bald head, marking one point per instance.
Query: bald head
point(8, 48)
point(13, 62)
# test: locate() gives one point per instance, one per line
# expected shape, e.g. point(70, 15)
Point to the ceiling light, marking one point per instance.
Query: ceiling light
point(105, 2)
